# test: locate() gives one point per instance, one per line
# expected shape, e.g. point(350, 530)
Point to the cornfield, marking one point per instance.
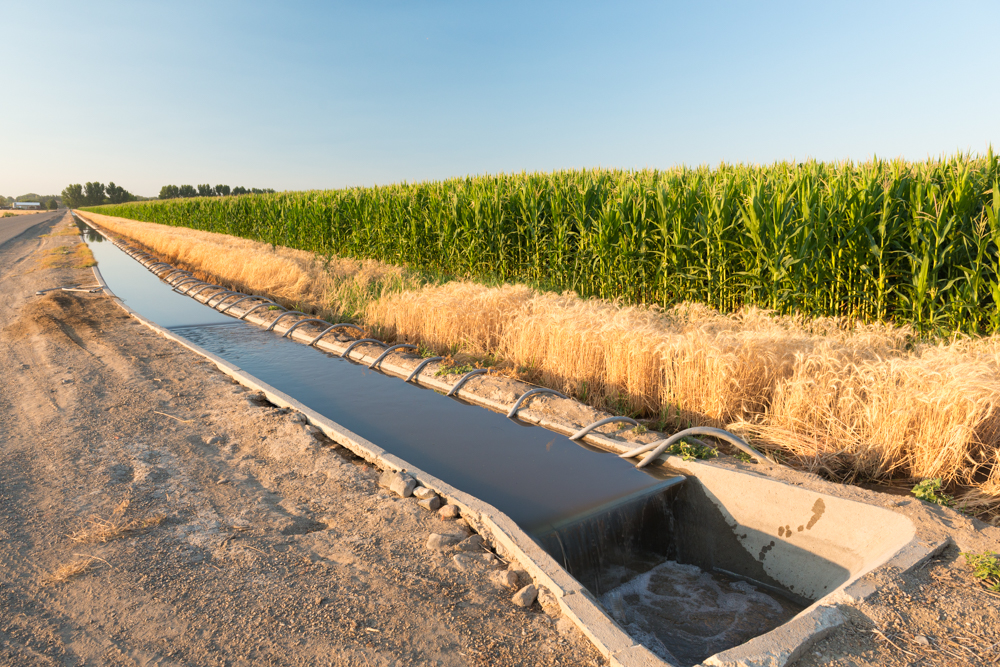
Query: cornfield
point(893, 241)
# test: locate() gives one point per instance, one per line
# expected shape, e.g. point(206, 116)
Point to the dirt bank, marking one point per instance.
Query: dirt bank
point(154, 513)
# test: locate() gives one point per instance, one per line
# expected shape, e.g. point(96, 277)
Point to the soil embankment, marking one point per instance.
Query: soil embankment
point(153, 512)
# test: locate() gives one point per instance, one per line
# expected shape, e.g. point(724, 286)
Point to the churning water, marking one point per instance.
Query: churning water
point(684, 614)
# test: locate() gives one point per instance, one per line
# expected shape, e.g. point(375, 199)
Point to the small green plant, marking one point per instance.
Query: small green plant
point(986, 568)
point(465, 363)
point(489, 361)
point(274, 307)
point(929, 490)
point(690, 451)
point(455, 370)
point(743, 456)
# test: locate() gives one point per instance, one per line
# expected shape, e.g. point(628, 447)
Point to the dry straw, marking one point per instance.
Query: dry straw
point(334, 287)
point(855, 402)
point(67, 571)
point(98, 530)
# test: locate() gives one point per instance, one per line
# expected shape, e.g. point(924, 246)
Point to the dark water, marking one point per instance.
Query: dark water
point(534, 476)
point(88, 233)
point(148, 295)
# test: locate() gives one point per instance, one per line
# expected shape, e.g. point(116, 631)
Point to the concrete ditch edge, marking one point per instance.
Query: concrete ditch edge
point(466, 393)
point(773, 649)
point(606, 635)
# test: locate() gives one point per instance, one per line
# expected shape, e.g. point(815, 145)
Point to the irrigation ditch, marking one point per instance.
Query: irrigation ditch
point(680, 563)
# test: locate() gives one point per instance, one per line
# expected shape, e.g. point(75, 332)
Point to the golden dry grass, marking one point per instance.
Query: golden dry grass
point(98, 530)
point(13, 212)
point(66, 230)
point(855, 402)
point(334, 287)
point(67, 571)
point(76, 256)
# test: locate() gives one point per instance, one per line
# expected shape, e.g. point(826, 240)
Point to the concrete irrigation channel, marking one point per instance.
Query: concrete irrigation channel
point(678, 563)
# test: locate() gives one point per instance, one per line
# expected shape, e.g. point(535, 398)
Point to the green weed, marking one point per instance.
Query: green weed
point(692, 450)
point(928, 490)
point(986, 568)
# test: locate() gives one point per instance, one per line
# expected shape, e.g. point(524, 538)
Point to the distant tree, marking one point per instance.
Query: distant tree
point(93, 193)
point(118, 194)
point(72, 196)
point(170, 192)
point(222, 190)
point(187, 191)
point(52, 205)
point(206, 190)
point(240, 190)
point(262, 191)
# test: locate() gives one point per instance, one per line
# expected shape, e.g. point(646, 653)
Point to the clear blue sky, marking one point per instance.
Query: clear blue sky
point(323, 95)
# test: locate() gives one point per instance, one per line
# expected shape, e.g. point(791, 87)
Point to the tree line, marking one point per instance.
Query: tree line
point(51, 202)
point(207, 190)
point(95, 193)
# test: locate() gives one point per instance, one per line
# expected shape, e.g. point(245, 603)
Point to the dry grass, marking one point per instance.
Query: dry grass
point(15, 212)
point(98, 530)
point(330, 287)
point(67, 230)
point(72, 569)
point(76, 256)
point(931, 412)
point(854, 402)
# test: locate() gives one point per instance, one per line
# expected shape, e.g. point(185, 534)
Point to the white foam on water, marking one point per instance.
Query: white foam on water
point(684, 614)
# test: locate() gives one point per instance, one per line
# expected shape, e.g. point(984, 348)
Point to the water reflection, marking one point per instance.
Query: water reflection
point(89, 234)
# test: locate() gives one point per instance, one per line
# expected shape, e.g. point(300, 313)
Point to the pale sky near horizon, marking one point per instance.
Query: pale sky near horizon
point(298, 95)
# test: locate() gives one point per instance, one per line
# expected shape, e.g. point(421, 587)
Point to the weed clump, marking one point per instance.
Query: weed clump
point(985, 567)
point(690, 451)
point(929, 490)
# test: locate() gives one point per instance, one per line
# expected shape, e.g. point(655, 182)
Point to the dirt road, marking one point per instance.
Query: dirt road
point(18, 224)
point(154, 513)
